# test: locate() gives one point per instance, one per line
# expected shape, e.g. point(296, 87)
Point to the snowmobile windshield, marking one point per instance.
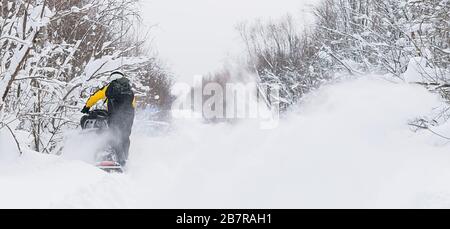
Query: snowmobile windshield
point(97, 119)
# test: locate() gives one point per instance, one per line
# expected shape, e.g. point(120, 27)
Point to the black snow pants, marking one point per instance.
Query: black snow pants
point(121, 123)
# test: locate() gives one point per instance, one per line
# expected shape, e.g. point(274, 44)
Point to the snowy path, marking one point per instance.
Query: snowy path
point(339, 150)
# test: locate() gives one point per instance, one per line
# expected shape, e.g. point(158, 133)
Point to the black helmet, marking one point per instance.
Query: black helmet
point(117, 75)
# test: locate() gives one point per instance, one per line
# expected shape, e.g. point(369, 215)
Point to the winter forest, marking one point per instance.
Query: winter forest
point(363, 102)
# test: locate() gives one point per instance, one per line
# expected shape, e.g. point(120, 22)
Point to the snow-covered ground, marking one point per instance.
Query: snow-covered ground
point(348, 146)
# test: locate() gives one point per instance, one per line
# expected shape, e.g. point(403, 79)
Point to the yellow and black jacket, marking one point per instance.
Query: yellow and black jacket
point(101, 95)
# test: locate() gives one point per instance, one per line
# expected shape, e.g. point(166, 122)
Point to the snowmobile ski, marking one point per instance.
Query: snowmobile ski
point(110, 167)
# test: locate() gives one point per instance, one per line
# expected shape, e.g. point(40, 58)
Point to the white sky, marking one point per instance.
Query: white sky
point(196, 36)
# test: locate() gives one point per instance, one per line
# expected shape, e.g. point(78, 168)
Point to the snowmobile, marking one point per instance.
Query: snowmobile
point(97, 121)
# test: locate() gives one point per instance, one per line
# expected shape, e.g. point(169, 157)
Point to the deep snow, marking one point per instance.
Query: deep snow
point(347, 146)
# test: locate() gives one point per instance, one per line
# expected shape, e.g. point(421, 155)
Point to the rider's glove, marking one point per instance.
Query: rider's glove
point(85, 110)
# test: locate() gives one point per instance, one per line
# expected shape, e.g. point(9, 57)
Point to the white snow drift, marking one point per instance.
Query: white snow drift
point(348, 145)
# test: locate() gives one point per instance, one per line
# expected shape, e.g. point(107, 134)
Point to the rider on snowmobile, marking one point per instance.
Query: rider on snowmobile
point(121, 104)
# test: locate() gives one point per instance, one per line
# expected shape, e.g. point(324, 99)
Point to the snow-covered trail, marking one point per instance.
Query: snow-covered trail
point(348, 147)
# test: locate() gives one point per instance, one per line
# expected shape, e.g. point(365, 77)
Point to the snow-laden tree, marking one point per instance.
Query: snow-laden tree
point(353, 36)
point(384, 36)
point(56, 53)
point(283, 56)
